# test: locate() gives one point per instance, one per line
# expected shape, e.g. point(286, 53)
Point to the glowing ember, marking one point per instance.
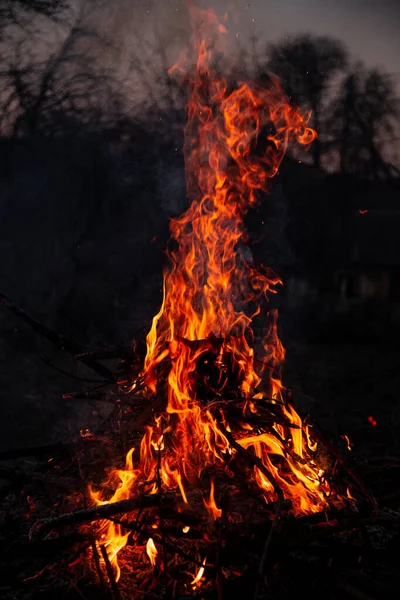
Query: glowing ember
point(196, 582)
point(202, 337)
point(348, 442)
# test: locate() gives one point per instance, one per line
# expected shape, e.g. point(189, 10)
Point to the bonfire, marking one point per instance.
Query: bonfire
point(224, 424)
point(215, 458)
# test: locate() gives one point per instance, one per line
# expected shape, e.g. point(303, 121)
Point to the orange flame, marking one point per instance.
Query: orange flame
point(235, 140)
point(210, 504)
point(151, 551)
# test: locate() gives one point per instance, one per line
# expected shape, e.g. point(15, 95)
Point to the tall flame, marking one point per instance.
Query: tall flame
point(235, 139)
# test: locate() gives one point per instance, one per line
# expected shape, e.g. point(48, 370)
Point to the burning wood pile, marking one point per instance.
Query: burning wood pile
point(203, 460)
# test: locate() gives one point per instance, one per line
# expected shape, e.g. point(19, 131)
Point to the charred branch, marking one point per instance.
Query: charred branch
point(57, 339)
point(110, 573)
point(252, 460)
point(96, 513)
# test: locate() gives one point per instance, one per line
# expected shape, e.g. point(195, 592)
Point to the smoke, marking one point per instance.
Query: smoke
point(141, 41)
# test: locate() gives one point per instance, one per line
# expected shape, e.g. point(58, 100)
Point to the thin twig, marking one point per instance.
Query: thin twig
point(110, 573)
point(334, 452)
point(71, 375)
point(267, 546)
point(96, 559)
point(350, 590)
point(162, 523)
point(57, 339)
point(251, 458)
point(96, 513)
point(128, 526)
point(115, 353)
point(92, 394)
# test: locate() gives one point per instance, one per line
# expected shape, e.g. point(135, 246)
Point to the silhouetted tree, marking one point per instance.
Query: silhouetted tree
point(364, 118)
point(67, 89)
point(20, 12)
point(306, 65)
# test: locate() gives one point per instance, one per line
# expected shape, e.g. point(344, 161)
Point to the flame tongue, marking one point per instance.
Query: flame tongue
point(210, 283)
point(235, 142)
point(210, 286)
point(151, 551)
